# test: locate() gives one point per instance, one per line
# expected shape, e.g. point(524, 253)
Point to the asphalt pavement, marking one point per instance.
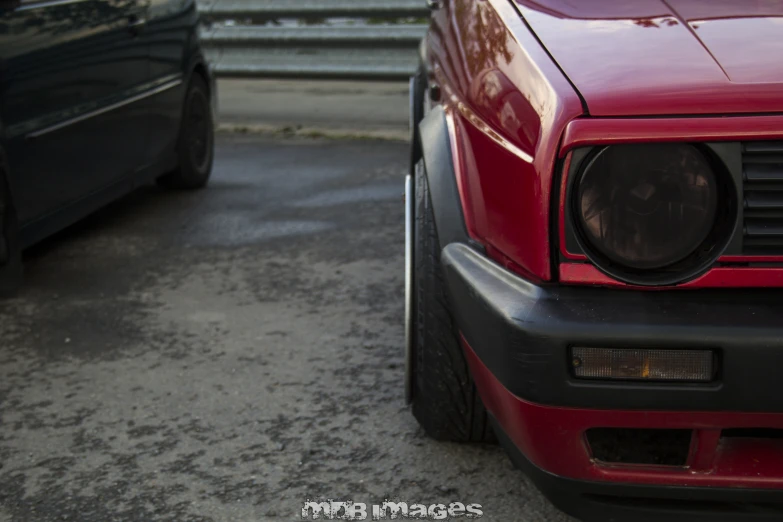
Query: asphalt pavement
point(230, 353)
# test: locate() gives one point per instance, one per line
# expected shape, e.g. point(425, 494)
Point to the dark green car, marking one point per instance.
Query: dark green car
point(96, 98)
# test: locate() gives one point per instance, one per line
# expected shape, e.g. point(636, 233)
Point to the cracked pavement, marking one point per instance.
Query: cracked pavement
point(227, 354)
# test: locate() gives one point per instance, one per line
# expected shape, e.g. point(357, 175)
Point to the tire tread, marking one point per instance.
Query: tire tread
point(445, 401)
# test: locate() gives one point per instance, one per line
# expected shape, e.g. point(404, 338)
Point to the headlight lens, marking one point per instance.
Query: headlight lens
point(649, 206)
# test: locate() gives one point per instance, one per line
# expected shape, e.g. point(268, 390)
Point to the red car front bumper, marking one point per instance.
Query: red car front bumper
point(517, 337)
point(553, 439)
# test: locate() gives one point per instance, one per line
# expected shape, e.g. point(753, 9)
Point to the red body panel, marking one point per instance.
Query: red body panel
point(561, 233)
point(721, 277)
point(651, 57)
point(553, 439)
point(510, 105)
point(608, 131)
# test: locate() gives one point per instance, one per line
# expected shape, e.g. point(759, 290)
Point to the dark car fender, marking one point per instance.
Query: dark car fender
point(197, 64)
point(442, 179)
point(193, 59)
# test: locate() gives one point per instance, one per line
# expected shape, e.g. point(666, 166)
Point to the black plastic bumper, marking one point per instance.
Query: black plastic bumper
point(522, 333)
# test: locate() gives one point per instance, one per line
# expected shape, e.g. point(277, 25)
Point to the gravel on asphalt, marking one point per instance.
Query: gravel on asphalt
point(229, 353)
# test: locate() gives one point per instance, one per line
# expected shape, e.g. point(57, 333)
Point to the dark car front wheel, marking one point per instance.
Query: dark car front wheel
point(444, 398)
point(195, 146)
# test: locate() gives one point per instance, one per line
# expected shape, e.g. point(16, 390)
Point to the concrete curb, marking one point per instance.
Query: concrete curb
point(314, 132)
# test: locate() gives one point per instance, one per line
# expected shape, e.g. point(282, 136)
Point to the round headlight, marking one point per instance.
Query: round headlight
point(647, 207)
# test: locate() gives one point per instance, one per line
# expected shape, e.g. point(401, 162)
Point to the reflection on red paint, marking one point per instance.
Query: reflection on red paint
point(510, 104)
point(676, 57)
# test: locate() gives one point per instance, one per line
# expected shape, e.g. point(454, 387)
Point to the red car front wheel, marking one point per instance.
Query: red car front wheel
point(444, 398)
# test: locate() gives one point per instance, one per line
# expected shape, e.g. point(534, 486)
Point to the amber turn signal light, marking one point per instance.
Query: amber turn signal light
point(643, 365)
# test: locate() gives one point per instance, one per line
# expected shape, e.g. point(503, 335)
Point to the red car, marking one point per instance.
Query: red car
point(595, 249)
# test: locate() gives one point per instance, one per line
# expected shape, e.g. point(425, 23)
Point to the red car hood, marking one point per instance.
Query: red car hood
point(666, 57)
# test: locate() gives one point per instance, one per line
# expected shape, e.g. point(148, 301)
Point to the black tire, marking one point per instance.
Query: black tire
point(445, 400)
point(196, 142)
point(11, 267)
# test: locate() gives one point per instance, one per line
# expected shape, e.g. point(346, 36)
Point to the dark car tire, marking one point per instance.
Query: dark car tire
point(444, 398)
point(196, 142)
point(11, 266)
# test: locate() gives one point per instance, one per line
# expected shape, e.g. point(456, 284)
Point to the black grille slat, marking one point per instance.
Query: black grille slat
point(762, 173)
point(771, 200)
point(762, 147)
point(758, 247)
point(767, 228)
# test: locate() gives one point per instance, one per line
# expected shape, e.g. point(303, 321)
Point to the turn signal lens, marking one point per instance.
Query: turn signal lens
point(643, 365)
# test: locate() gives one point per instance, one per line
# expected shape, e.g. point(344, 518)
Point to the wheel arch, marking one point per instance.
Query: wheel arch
point(442, 179)
point(202, 68)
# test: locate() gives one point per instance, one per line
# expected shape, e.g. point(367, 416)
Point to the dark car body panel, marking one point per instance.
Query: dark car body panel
point(173, 51)
point(62, 61)
point(88, 109)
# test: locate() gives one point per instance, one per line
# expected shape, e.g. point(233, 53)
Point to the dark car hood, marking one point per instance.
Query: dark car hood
point(650, 57)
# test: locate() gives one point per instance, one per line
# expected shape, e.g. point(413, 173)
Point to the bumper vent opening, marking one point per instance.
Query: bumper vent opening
point(762, 176)
point(752, 433)
point(640, 446)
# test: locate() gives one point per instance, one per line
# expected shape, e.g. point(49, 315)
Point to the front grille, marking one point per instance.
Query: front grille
point(762, 176)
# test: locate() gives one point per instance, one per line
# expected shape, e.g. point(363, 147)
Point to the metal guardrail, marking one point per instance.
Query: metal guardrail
point(306, 44)
point(269, 9)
